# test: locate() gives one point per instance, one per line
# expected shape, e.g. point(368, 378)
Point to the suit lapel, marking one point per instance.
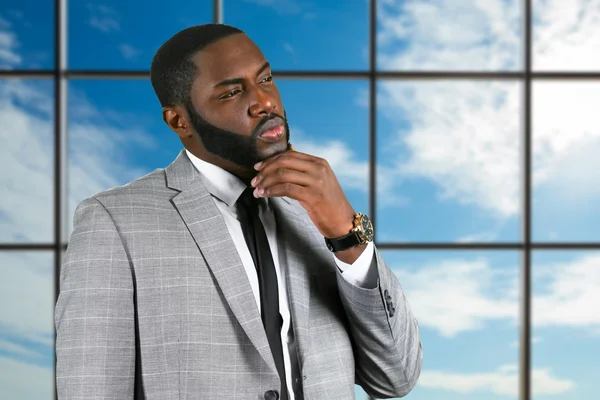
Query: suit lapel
point(208, 228)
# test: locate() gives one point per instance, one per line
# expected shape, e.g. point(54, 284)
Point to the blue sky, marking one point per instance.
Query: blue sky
point(447, 159)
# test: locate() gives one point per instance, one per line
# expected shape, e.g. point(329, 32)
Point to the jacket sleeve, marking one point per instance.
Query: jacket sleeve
point(94, 313)
point(388, 349)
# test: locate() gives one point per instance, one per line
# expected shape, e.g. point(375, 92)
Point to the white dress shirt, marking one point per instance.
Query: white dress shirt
point(225, 189)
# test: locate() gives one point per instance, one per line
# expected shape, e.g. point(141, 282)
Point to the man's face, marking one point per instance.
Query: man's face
point(242, 118)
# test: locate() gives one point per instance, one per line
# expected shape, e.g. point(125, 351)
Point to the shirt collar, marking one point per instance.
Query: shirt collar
point(220, 183)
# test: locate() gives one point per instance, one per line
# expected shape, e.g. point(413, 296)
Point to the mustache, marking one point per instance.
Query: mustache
point(270, 117)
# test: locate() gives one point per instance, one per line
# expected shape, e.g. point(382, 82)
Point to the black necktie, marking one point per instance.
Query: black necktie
point(256, 239)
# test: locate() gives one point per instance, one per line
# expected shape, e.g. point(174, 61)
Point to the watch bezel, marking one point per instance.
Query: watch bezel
point(358, 235)
point(365, 236)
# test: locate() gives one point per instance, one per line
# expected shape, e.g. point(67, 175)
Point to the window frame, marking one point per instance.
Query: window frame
point(61, 75)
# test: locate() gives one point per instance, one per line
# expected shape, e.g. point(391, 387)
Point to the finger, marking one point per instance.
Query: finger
point(287, 189)
point(282, 167)
point(286, 161)
point(295, 153)
point(284, 175)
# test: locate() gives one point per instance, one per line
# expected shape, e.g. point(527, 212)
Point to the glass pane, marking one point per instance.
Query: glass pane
point(298, 35)
point(359, 393)
point(328, 119)
point(565, 35)
point(467, 307)
point(27, 325)
point(26, 161)
point(119, 35)
point(449, 35)
point(27, 35)
point(115, 139)
point(448, 158)
point(566, 325)
point(566, 144)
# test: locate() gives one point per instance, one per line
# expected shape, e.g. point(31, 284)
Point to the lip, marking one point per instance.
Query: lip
point(273, 123)
point(270, 125)
point(272, 139)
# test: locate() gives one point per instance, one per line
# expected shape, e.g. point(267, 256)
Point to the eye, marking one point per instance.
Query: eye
point(229, 94)
point(268, 79)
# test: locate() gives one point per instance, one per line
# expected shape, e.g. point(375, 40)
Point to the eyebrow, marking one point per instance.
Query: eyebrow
point(235, 81)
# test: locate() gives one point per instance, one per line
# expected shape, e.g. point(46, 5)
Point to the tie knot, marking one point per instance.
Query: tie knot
point(247, 199)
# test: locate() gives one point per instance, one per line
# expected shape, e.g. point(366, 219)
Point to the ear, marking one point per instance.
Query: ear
point(177, 119)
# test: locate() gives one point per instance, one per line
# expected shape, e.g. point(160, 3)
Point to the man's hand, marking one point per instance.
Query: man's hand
point(310, 181)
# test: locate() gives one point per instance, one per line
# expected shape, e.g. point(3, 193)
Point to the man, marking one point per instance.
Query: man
point(240, 271)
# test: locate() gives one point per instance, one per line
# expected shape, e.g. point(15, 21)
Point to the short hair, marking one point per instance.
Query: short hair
point(172, 71)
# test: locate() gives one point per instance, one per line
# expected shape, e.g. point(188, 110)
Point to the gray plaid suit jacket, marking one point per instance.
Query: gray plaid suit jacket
point(154, 303)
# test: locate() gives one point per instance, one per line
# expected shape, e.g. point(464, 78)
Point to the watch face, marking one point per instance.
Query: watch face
point(367, 228)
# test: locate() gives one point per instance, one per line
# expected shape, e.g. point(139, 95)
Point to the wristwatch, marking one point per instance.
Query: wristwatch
point(361, 233)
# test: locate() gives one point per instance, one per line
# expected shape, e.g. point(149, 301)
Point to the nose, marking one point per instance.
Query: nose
point(262, 104)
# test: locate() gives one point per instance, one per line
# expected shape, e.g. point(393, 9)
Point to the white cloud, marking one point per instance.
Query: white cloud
point(281, 6)
point(351, 172)
point(288, 47)
point(565, 294)
point(457, 141)
point(289, 7)
point(467, 288)
point(449, 34)
point(566, 36)
point(503, 381)
point(567, 139)
point(9, 57)
point(129, 52)
point(478, 237)
point(465, 135)
point(534, 340)
point(104, 18)
point(476, 293)
point(27, 158)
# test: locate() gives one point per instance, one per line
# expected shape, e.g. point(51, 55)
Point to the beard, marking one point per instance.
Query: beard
point(239, 149)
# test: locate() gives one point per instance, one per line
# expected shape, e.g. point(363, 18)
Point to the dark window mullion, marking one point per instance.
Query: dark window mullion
point(325, 74)
point(373, 115)
point(526, 151)
point(557, 246)
point(60, 40)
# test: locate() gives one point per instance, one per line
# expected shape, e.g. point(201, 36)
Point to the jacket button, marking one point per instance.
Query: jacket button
point(271, 395)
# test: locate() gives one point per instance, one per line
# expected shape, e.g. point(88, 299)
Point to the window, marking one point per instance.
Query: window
point(468, 132)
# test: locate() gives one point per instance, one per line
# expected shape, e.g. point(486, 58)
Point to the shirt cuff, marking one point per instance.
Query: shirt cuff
point(362, 272)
